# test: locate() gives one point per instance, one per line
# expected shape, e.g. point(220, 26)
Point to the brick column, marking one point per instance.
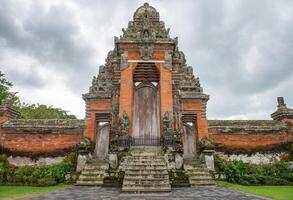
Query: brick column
point(166, 97)
point(126, 93)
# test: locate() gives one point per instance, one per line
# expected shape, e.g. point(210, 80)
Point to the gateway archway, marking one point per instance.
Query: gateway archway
point(146, 105)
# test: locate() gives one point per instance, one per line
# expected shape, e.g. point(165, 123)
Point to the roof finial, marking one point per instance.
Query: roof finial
point(281, 102)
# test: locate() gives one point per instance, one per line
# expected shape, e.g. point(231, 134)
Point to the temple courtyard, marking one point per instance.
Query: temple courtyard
point(177, 193)
point(223, 190)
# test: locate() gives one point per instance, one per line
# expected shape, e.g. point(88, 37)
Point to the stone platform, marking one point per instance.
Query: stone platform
point(91, 193)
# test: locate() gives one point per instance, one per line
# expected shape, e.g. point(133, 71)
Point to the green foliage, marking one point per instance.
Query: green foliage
point(5, 92)
point(36, 175)
point(38, 111)
point(278, 173)
point(288, 156)
point(47, 181)
point(71, 157)
point(6, 170)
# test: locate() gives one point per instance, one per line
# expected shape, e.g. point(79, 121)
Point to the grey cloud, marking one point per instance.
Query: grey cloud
point(241, 50)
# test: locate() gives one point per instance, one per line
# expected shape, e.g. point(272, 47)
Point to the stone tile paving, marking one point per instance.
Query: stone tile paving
point(89, 193)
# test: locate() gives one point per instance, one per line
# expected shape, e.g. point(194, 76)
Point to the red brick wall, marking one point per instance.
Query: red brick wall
point(33, 143)
point(251, 140)
point(248, 141)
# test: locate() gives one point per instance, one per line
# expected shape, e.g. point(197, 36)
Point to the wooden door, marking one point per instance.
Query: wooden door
point(146, 120)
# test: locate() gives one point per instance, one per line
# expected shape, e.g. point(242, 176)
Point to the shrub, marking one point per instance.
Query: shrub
point(31, 175)
point(71, 158)
point(6, 170)
point(46, 181)
point(288, 155)
point(278, 173)
point(4, 161)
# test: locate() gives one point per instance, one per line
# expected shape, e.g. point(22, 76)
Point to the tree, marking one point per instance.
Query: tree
point(5, 93)
point(26, 111)
point(39, 111)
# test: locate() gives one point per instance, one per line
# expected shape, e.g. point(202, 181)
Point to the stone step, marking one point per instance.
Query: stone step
point(146, 182)
point(88, 178)
point(89, 183)
point(145, 160)
point(145, 154)
point(143, 189)
point(95, 167)
point(146, 168)
point(145, 179)
point(150, 164)
point(195, 170)
point(146, 176)
point(200, 178)
point(92, 173)
point(198, 172)
point(146, 172)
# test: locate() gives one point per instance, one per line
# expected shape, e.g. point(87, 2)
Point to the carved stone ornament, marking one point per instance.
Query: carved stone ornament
point(124, 60)
point(146, 52)
point(206, 144)
point(124, 124)
point(167, 124)
point(281, 102)
point(168, 60)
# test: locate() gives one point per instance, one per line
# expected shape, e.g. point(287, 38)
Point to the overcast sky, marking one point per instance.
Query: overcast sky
point(242, 50)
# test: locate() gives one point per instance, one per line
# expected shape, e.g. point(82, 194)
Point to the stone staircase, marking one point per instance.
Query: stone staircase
point(198, 173)
point(145, 171)
point(93, 173)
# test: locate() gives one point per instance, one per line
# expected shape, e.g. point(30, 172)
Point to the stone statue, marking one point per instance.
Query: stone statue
point(206, 144)
point(167, 124)
point(124, 124)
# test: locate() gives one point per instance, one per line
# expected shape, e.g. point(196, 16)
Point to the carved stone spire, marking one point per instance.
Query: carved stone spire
point(282, 111)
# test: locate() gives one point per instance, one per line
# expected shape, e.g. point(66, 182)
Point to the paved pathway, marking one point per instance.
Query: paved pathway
point(90, 193)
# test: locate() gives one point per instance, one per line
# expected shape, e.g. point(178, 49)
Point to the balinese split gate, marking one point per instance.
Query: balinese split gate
point(146, 102)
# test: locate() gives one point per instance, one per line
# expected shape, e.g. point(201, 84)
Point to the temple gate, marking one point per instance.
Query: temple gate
point(146, 101)
point(144, 79)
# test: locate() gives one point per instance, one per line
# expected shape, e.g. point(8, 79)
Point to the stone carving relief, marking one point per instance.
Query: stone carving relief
point(167, 124)
point(124, 124)
point(146, 52)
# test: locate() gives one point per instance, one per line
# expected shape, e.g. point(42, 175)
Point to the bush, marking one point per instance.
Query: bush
point(31, 175)
point(6, 170)
point(278, 173)
point(36, 175)
point(288, 155)
point(71, 158)
point(46, 182)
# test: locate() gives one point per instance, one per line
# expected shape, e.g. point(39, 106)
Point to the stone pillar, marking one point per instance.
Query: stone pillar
point(126, 93)
point(166, 97)
point(208, 157)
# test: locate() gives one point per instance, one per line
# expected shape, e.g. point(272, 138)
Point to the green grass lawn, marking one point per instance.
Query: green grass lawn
point(20, 192)
point(273, 192)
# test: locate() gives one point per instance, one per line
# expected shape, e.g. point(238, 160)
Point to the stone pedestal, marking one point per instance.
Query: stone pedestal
point(113, 160)
point(81, 161)
point(208, 157)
